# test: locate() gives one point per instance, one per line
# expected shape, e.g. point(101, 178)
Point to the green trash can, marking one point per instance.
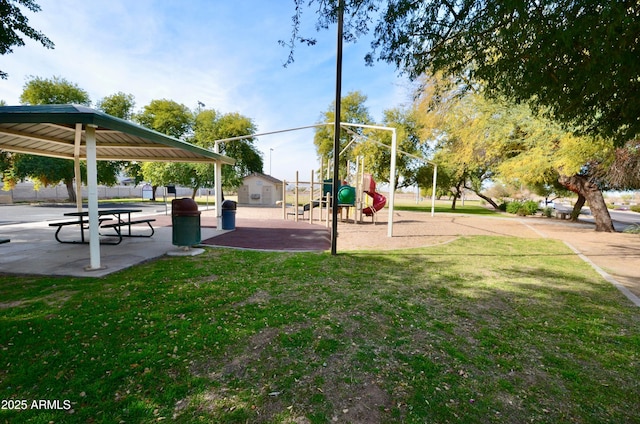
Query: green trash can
point(229, 214)
point(185, 218)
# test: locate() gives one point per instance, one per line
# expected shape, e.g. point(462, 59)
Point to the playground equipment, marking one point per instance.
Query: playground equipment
point(392, 174)
point(319, 195)
point(347, 195)
point(379, 201)
point(355, 191)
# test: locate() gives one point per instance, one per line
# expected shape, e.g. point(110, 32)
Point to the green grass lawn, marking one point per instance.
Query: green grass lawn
point(482, 330)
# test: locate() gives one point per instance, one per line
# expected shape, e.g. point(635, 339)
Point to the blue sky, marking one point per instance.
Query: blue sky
point(221, 53)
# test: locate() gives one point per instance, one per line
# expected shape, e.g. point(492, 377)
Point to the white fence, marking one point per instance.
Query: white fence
point(24, 192)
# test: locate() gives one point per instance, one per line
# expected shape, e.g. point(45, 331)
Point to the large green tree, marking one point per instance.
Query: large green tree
point(210, 126)
point(56, 90)
point(455, 124)
point(175, 120)
point(376, 149)
point(443, 116)
point(14, 25)
point(480, 137)
point(166, 116)
point(578, 60)
point(373, 145)
point(49, 171)
point(354, 111)
point(410, 144)
point(121, 106)
point(202, 128)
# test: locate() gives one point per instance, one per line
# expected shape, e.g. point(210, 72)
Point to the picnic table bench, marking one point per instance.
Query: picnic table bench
point(84, 225)
point(122, 219)
point(118, 227)
point(562, 212)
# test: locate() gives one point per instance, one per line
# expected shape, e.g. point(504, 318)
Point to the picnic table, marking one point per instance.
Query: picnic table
point(121, 216)
point(563, 211)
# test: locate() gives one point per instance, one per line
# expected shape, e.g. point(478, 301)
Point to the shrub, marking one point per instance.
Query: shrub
point(530, 207)
point(513, 207)
point(522, 208)
point(635, 208)
point(548, 212)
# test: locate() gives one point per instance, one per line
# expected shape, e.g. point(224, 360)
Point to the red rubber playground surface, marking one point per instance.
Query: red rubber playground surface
point(274, 235)
point(265, 234)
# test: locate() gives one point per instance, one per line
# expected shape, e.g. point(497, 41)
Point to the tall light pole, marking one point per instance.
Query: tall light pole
point(270, 150)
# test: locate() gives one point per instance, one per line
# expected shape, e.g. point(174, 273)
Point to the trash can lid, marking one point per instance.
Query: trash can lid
point(229, 205)
point(184, 207)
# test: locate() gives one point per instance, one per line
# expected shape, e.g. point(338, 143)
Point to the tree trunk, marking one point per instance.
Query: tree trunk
point(593, 195)
point(487, 199)
point(70, 190)
point(457, 192)
point(577, 207)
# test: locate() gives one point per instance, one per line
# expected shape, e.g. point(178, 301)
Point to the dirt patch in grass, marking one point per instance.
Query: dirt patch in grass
point(55, 299)
point(323, 373)
point(238, 364)
point(358, 403)
point(259, 297)
point(13, 304)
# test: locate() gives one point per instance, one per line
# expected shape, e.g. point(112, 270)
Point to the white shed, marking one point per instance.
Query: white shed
point(260, 189)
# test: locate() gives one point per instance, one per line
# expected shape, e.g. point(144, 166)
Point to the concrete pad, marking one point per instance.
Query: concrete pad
point(33, 250)
point(191, 251)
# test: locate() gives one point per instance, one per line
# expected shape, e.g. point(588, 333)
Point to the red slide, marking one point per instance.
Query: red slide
point(378, 199)
point(378, 203)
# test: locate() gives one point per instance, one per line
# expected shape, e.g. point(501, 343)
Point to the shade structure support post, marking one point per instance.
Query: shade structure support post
point(311, 189)
point(92, 198)
point(76, 166)
point(217, 170)
point(362, 195)
point(392, 181)
point(296, 201)
point(284, 199)
point(336, 131)
point(433, 192)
